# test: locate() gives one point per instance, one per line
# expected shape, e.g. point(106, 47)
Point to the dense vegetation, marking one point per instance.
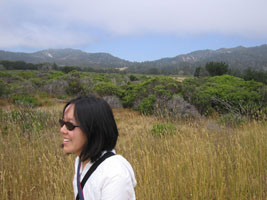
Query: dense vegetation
point(160, 95)
point(226, 94)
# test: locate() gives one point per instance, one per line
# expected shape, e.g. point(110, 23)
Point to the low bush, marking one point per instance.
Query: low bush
point(100, 78)
point(4, 89)
point(107, 89)
point(146, 106)
point(26, 74)
point(161, 87)
point(56, 75)
point(161, 90)
point(29, 120)
point(133, 78)
point(225, 93)
point(74, 87)
point(162, 129)
point(38, 82)
point(5, 74)
point(25, 100)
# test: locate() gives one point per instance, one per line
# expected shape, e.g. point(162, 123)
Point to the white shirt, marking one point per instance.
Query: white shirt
point(113, 179)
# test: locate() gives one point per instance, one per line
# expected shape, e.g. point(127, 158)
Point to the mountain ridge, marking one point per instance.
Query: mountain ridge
point(238, 57)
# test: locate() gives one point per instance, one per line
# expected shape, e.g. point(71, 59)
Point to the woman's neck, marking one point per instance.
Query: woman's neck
point(84, 163)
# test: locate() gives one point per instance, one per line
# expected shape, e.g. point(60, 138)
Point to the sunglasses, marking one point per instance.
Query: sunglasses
point(70, 126)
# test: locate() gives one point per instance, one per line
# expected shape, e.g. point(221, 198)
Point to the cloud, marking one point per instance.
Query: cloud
point(176, 16)
point(68, 23)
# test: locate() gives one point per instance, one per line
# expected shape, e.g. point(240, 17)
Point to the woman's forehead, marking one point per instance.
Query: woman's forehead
point(69, 111)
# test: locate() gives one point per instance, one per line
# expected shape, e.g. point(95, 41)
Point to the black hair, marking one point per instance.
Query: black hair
point(96, 120)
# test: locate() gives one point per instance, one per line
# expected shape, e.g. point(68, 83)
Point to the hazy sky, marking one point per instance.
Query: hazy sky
point(135, 30)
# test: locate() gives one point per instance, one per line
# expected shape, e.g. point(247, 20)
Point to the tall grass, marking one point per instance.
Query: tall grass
point(193, 162)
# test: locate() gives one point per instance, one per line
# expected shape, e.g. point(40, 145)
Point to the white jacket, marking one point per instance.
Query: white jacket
point(113, 179)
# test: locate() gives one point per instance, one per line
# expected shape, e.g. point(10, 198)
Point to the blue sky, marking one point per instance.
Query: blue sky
point(135, 30)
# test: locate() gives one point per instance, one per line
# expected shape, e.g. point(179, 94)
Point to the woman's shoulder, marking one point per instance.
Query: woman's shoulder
point(114, 177)
point(116, 165)
point(116, 161)
point(115, 170)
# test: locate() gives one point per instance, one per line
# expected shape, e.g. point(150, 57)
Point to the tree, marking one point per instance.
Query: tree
point(67, 69)
point(153, 70)
point(200, 72)
point(259, 76)
point(133, 77)
point(54, 66)
point(216, 68)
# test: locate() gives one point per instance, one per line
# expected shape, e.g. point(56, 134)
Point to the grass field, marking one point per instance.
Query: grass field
point(191, 160)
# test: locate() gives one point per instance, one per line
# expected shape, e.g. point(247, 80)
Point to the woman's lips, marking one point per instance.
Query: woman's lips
point(66, 141)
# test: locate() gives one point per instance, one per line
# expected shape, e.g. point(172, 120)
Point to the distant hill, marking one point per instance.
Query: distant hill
point(70, 57)
point(237, 58)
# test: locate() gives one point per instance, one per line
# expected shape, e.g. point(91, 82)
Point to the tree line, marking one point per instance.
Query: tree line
point(221, 68)
point(22, 65)
point(210, 69)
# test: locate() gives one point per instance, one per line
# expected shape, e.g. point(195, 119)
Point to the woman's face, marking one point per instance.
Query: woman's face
point(75, 139)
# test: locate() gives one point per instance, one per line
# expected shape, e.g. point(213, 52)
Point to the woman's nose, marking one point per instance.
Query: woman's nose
point(63, 130)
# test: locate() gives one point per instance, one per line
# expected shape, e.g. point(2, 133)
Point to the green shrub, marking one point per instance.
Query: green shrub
point(74, 73)
point(133, 78)
point(107, 89)
point(67, 69)
point(160, 87)
point(56, 75)
point(25, 100)
point(37, 81)
point(225, 94)
point(132, 92)
point(4, 89)
point(29, 120)
point(101, 78)
point(26, 74)
point(162, 91)
point(5, 74)
point(146, 107)
point(162, 129)
point(74, 87)
point(43, 94)
point(129, 95)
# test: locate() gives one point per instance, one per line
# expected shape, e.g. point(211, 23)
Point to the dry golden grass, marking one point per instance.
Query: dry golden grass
point(195, 162)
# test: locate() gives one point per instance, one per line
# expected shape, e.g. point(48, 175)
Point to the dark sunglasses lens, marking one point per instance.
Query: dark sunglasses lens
point(69, 126)
point(61, 122)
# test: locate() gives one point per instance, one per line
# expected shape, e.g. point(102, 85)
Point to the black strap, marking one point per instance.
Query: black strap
point(93, 168)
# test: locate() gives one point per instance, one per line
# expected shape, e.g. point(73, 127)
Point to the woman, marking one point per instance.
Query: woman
point(90, 131)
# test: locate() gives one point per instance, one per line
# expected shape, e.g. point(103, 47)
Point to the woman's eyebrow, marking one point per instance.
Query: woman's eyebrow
point(69, 119)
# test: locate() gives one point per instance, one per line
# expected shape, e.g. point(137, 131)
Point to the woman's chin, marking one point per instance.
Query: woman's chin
point(67, 150)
